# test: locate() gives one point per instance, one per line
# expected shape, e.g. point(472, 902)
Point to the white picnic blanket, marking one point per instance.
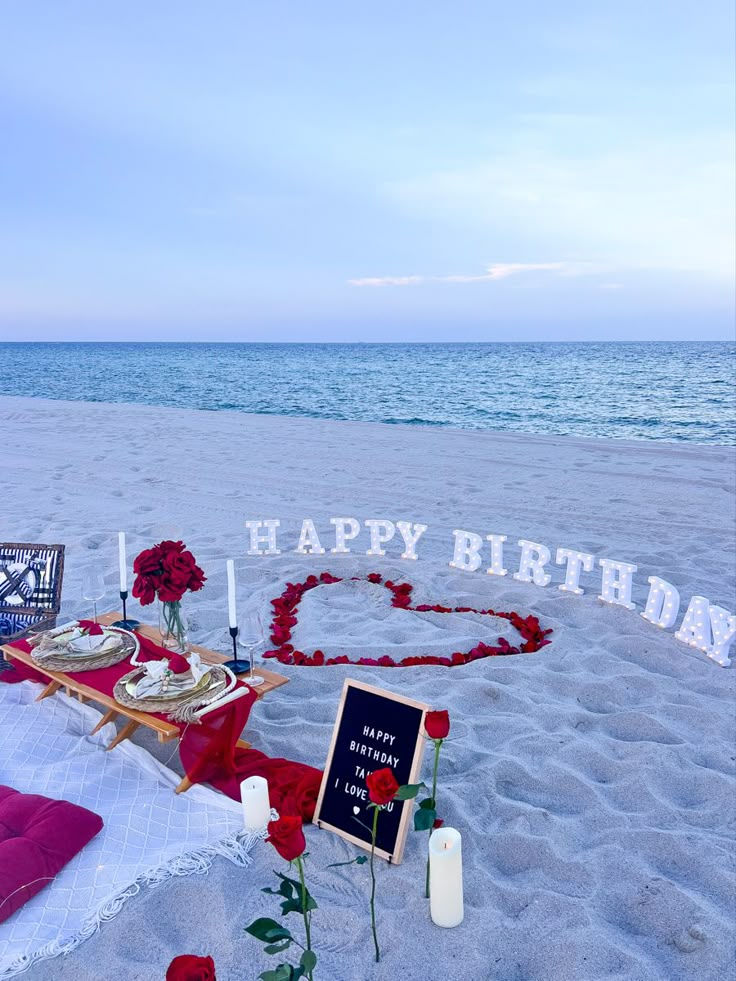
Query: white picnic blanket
point(150, 833)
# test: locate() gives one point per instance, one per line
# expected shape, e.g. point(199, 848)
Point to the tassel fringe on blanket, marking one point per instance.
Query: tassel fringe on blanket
point(234, 847)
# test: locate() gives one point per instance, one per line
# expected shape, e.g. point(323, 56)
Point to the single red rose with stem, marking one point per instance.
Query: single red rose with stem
point(287, 837)
point(383, 788)
point(437, 728)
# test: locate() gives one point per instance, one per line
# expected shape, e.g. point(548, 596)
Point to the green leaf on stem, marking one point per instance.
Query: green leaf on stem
point(409, 791)
point(427, 803)
point(277, 948)
point(284, 972)
point(424, 818)
point(285, 889)
point(268, 930)
point(360, 860)
point(291, 890)
point(308, 961)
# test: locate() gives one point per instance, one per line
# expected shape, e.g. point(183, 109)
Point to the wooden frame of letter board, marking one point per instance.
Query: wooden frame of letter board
point(392, 857)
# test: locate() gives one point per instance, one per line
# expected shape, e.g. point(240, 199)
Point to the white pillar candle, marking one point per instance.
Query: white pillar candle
point(446, 877)
point(123, 564)
point(232, 612)
point(256, 803)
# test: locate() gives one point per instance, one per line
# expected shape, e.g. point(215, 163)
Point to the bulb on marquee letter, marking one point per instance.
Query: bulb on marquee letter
point(467, 550)
point(695, 627)
point(723, 625)
point(496, 567)
point(342, 536)
point(531, 565)
point(309, 543)
point(382, 531)
point(268, 539)
point(663, 603)
point(616, 589)
point(411, 535)
point(576, 562)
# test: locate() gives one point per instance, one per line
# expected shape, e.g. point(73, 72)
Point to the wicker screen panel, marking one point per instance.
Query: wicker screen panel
point(30, 578)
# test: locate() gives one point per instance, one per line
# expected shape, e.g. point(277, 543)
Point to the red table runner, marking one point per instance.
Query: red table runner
point(101, 679)
point(208, 750)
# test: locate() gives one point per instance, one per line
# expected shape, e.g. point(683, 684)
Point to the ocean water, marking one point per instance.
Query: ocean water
point(664, 391)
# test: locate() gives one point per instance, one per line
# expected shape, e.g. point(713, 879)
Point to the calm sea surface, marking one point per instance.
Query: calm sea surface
point(667, 391)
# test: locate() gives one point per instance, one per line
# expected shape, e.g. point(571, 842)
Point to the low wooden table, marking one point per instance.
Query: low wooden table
point(165, 731)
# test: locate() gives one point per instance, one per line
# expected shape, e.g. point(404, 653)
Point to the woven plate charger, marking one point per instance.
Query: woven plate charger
point(54, 657)
point(180, 707)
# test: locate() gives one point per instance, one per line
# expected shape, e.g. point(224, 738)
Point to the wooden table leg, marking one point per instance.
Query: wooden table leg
point(109, 716)
point(184, 786)
point(50, 689)
point(125, 733)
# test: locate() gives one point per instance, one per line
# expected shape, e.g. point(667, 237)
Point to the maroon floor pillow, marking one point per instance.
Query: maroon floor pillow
point(38, 836)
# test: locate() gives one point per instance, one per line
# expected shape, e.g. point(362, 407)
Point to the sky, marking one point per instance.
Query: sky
point(330, 171)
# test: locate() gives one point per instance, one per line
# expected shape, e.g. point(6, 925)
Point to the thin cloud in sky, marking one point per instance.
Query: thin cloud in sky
point(494, 272)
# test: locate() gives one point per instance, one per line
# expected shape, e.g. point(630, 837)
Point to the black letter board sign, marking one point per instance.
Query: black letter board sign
point(374, 729)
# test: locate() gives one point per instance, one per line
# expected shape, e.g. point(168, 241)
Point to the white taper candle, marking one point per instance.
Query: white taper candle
point(256, 803)
point(446, 877)
point(122, 562)
point(232, 612)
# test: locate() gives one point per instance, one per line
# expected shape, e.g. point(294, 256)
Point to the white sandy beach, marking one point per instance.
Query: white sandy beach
point(593, 781)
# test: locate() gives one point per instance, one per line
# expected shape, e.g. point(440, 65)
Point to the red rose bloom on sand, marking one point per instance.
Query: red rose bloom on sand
point(287, 837)
point(188, 967)
point(437, 724)
point(382, 786)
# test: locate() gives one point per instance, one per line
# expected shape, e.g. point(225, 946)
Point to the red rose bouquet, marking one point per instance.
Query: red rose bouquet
point(166, 572)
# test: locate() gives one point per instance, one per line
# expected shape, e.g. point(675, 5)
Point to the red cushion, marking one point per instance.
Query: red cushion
point(38, 837)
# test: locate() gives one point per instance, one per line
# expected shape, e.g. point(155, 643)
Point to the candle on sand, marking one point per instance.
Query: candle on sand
point(446, 877)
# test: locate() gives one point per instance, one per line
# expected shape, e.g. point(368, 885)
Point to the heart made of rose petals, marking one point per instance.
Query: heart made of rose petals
point(340, 609)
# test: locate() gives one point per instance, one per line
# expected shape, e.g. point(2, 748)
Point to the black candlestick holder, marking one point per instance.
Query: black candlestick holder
point(237, 666)
point(125, 623)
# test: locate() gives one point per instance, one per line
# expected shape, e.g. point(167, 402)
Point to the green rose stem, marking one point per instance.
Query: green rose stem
point(174, 622)
point(376, 809)
point(437, 748)
point(307, 916)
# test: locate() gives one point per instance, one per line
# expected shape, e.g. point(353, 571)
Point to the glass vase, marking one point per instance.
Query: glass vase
point(172, 624)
